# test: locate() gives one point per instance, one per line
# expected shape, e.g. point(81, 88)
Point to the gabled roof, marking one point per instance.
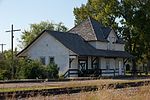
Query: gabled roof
point(99, 33)
point(77, 44)
point(73, 42)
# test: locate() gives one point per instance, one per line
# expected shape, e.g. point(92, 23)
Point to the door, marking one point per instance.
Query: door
point(120, 67)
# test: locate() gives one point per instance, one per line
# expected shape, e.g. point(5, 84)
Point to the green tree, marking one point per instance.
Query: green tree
point(130, 18)
point(35, 29)
point(104, 11)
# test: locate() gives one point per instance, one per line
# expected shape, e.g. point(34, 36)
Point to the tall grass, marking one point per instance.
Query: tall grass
point(132, 93)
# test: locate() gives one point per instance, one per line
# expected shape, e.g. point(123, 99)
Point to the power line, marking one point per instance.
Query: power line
point(12, 37)
point(2, 45)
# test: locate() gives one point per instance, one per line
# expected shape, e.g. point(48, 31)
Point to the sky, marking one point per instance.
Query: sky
point(22, 13)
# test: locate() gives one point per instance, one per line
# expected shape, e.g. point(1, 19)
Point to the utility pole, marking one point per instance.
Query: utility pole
point(12, 52)
point(2, 45)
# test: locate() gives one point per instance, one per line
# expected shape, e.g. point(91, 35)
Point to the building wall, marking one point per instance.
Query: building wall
point(74, 64)
point(111, 45)
point(119, 47)
point(98, 44)
point(112, 37)
point(113, 66)
point(47, 46)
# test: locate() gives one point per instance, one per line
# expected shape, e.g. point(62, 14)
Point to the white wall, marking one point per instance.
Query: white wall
point(99, 45)
point(114, 64)
point(119, 47)
point(112, 37)
point(103, 63)
point(74, 63)
point(47, 46)
point(111, 45)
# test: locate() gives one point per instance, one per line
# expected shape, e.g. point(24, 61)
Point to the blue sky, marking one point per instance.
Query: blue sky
point(22, 13)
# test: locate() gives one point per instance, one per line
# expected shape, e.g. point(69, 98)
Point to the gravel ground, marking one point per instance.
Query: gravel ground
point(66, 83)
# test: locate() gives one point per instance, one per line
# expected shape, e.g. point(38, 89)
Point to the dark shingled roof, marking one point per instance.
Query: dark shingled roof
point(106, 31)
point(78, 45)
point(97, 29)
point(101, 31)
point(73, 42)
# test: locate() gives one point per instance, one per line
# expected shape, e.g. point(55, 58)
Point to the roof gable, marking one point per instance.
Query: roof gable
point(97, 30)
point(78, 45)
point(85, 30)
point(74, 42)
point(100, 31)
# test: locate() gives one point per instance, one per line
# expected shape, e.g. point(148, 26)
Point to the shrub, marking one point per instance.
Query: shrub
point(27, 69)
point(52, 71)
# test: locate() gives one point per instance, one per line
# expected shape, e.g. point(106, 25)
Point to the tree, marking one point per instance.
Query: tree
point(104, 11)
point(130, 18)
point(35, 29)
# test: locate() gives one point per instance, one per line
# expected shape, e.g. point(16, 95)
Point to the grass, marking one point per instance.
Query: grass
point(136, 93)
point(51, 85)
point(26, 88)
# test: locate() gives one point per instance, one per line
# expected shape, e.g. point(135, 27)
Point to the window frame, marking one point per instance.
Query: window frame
point(50, 58)
point(43, 60)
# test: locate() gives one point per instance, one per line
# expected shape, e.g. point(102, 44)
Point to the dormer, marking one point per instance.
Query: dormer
point(97, 35)
point(112, 37)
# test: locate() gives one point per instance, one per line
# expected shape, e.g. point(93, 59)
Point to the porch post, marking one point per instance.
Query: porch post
point(115, 67)
point(91, 62)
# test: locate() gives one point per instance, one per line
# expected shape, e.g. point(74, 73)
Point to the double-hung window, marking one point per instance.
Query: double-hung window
point(51, 60)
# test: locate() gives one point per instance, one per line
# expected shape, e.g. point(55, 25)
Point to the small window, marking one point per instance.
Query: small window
point(107, 64)
point(42, 59)
point(51, 60)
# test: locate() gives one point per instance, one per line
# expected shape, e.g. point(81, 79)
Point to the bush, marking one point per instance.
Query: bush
point(52, 71)
point(36, 70)
point(27, 69)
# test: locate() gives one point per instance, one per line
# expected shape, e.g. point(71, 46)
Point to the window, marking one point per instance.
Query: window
point(51, 60)
point(107, 64)
point(42, 59)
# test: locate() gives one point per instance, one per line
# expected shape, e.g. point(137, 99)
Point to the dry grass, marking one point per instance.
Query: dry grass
point(136, 93)
point(50, 85)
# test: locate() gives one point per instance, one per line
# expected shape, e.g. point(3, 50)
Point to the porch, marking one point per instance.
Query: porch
point(92, 66)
